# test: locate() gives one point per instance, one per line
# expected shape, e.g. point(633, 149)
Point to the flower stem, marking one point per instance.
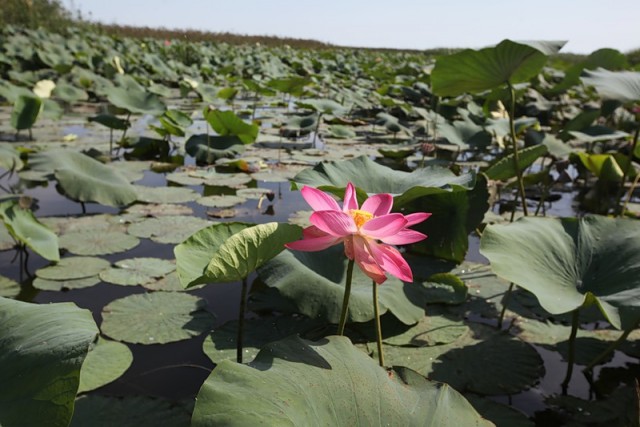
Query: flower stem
point(505, 301)
point(516, 155)
point(575, 319)
point(626, 172)
point(345, 299)
point(376, 310)
point(614, 345)
point(243, 306)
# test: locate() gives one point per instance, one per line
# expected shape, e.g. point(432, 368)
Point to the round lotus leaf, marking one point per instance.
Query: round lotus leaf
point(273, 175)
point(499, 414)
point(137, 271)
point(130, 411)
point(58, 285)
point(164, 209)
point(156, 318)
point(312, 283)
point(571, 262)
point(103, 222)
point(97, 242)
point(515, 366)
point(168, 229)
point(169, 283)
point(224, 213)
point(223, 201)
point(329, 382)
point(105, 362)
point(221, 344)
point(133, 170)
point(9, 288)
point(433, 329)
point(253, 193)
point(165, 194)
point(300, 218)
point(183, 178)
point(73, 268)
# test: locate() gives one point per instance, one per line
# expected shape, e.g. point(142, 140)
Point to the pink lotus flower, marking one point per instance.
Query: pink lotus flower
point(366, 232)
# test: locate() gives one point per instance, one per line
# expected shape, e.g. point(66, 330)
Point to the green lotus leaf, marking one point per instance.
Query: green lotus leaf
point(6, 241)
point(26, 110)
point(341, 132)
point(164, 194)
point(69, 93)
point(221, 344)
point(499, 414)
point(97, 242)
point(10, 157)
point(23, 226)
point(222, 201)
point(156, 318)
point(606, 58)
point(105, 363)
point(515, 366)
point(454, 215)
point(9, 288)
point(207, 148)
point(323, 106)
point(131, 411)
point(84, 179)
point(325, 383)
point(504, 168)
point(372, 177)
point(473, 71)
point(110, 121)
point(465, 134)
point(292, 85)
point(59, 285)
point(312, 283)
point(194, 254)
point(243, 252)
point(168, 229)
point(569, 263)
point(42, 348)
point(73, 268)
point(136, 100)
point(137, 271)
point(608, 167)
point(623, 86)
point(226, 123)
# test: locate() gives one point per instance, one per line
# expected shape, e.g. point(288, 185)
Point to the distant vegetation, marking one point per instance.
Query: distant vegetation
point(52, 15)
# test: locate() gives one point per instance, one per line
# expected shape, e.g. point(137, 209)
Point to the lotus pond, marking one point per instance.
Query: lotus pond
point(149, 189)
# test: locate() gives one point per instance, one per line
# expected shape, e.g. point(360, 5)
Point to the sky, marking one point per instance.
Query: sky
point(587, 25)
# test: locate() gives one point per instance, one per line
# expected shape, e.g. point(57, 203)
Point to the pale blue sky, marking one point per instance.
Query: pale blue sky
point(418, 24)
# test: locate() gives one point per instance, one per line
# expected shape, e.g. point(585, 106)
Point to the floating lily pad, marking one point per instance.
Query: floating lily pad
point(130, 411)
point(9, 288)
point(499, 414)
point(329, 382)
point(253, 193)
point(105, 363)
point(58, 285)
point(73, 268)
point(300, 218)
point(165, 194)
point(169, 283)
point(156, 318)
point(137, 271)
point(515, 366)
point(220, 201)
point(168, 229)
point(273, 175)
point(97, 242)
point(221, 344)
point(163, 209)
point(433, 329)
